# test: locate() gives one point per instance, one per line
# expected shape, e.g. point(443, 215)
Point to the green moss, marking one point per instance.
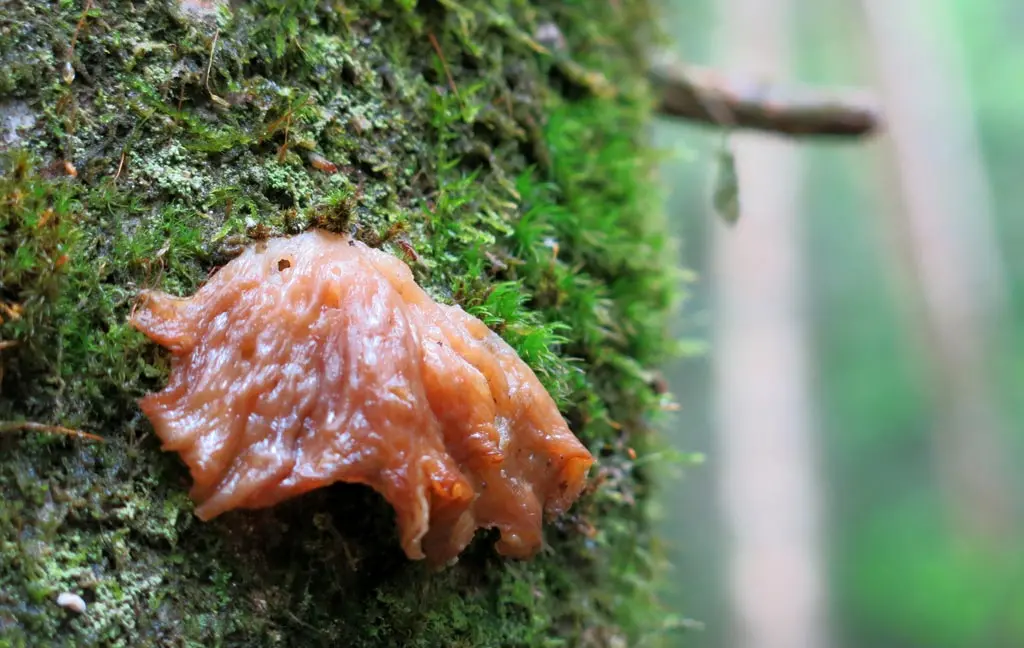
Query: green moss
point(517, 174)
point(37, 238)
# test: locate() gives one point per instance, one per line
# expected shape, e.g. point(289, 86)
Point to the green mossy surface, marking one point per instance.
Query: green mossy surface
point(510, 175)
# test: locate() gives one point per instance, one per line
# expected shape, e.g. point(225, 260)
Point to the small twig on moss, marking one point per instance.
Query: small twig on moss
point(591, 80)
point(701, 95)
point(282, 152)
point(444, 63)
point(508, 26)
point(17, 426)
point(214, 97)
point(120, 166)
point(78, 27)
point(285, 119)
point(68, 69)
point(209, 63)
point(274, 125)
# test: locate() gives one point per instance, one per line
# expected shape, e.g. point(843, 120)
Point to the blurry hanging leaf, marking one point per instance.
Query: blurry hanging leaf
point(726, 197)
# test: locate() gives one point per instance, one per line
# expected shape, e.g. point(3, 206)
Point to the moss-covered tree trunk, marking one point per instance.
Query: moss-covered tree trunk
point(498, 146)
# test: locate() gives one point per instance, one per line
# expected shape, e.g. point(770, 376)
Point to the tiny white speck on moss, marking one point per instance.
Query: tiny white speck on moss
point(72, 602)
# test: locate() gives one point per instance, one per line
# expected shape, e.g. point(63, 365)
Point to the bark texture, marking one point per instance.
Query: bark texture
point(498, 146)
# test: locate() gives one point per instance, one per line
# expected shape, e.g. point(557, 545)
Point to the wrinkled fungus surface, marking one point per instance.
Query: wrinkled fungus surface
point(316, 359)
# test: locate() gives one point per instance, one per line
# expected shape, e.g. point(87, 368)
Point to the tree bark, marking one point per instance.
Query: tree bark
point(144, 142)
point(768, 478)
point(946, 244)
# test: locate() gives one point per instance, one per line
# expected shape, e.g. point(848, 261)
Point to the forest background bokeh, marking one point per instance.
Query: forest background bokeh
point(902, 277)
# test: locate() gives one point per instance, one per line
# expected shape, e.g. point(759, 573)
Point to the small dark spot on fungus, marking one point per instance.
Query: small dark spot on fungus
point(343, 369)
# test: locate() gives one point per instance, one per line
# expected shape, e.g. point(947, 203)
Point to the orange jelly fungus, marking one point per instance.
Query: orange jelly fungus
point(316, 359)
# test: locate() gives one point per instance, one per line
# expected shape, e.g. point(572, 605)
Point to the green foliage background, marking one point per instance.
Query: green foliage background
point(899, 574)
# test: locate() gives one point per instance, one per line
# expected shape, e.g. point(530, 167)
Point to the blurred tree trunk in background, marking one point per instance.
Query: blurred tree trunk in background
point(768, 460)
point(942, 223)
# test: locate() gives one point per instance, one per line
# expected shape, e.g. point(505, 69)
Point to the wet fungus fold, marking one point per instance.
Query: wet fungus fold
point(315, 359)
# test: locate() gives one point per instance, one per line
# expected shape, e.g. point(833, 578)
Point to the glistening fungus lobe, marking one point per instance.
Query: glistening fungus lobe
point(316, 359)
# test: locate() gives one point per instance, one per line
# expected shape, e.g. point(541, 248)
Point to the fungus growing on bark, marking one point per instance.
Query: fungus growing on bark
point(316, 359)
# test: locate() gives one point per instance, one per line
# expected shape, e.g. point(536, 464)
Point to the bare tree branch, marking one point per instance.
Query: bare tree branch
point(702, 95)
